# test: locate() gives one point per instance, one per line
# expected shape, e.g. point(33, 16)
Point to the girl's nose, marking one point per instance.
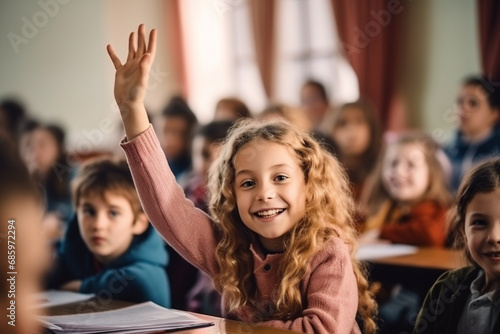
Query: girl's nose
point(265, 192)
point(494, 235)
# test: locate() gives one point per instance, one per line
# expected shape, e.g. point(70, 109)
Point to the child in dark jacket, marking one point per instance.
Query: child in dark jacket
point(466, 300)
point(110, 249)
point(478, 136)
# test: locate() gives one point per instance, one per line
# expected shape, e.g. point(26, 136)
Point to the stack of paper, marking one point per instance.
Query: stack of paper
point(141, 318)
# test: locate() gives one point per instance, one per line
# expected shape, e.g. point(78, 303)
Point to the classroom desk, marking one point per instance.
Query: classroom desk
point(221, 325)
point(431, 258)
point(417, 271)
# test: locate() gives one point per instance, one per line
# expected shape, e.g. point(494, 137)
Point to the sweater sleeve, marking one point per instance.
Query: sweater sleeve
point(187, 229)
point(332, 296)
point(424, 226)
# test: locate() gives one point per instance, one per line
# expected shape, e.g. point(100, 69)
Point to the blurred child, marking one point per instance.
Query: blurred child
point(111, 248)
point(408, 198)
point(357, 132)
point(466, 300)
point(314, 100)
point(176, 127)
point(12, 115)
point(297, 118)
point(43, 151)
point(478, 137)
point(281, 246)
point(22, 243)
point(205, 150)
point(231, 109)
point(199, 295)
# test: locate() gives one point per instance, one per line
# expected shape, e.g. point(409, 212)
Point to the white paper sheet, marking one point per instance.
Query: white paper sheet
point(58, 297)
point(377, 251)
point(139, 318)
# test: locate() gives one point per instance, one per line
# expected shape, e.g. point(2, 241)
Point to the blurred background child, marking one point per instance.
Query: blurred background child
point(111, 246)
point(357, 133)
point(406, 203)
point(176, 127)
point(474, 304)
point(298, 118)
point(231, 109)
point(12, 115)
point(408, 198)
point(20, 200)
point(194, 291)
point(43, 150)
point(478, 135)
point(314, 100)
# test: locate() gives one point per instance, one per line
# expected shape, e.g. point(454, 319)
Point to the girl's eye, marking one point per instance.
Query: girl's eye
point(281, 178)
point(479, 222)
point(247, 184)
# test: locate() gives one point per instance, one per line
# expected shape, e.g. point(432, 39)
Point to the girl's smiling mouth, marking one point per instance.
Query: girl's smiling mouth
point(269, 213)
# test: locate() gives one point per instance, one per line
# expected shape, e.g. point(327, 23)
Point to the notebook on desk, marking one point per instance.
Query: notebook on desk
point(140, 318)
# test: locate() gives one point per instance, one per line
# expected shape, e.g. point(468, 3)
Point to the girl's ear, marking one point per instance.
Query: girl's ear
point(141, 224)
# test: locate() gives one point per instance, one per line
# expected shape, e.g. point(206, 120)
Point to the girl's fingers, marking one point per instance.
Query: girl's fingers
point(141, 41)
point(114, 58)
point(131, 49)
point(152, 42)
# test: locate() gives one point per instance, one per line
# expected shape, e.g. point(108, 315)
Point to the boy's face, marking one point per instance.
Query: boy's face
point(173, 136)
point(476, 116)
point(204, 154)
point(482, 230)
point(107, 224)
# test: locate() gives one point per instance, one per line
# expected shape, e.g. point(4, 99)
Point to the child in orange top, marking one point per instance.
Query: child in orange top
point(408, 199)
point(281, 244)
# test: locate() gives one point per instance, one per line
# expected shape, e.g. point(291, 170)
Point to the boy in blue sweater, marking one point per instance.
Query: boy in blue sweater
point(111, 249)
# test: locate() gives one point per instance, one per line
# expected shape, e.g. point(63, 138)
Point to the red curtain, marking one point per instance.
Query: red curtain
point(175, 40)
point(370, 35)
point(489, 36)
point(262, 19)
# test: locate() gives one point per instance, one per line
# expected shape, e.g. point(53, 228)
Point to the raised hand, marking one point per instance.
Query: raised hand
point(131, 80)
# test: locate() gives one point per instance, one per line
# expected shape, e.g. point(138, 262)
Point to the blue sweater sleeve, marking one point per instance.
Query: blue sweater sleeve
point(137, 283)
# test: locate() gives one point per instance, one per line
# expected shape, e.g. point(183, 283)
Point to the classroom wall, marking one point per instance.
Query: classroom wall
point(441, 48)
point(53, 56)
point(59, 67)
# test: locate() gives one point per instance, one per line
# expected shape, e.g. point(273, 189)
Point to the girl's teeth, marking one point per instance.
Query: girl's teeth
point(269, 213)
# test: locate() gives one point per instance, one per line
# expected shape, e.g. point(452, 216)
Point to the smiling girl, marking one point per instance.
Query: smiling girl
point(466, 300)
point(280, 246)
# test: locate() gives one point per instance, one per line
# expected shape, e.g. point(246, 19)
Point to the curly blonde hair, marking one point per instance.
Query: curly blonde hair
point(328, 214)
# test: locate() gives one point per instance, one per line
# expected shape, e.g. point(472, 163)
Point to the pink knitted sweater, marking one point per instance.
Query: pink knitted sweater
point(329, 289)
